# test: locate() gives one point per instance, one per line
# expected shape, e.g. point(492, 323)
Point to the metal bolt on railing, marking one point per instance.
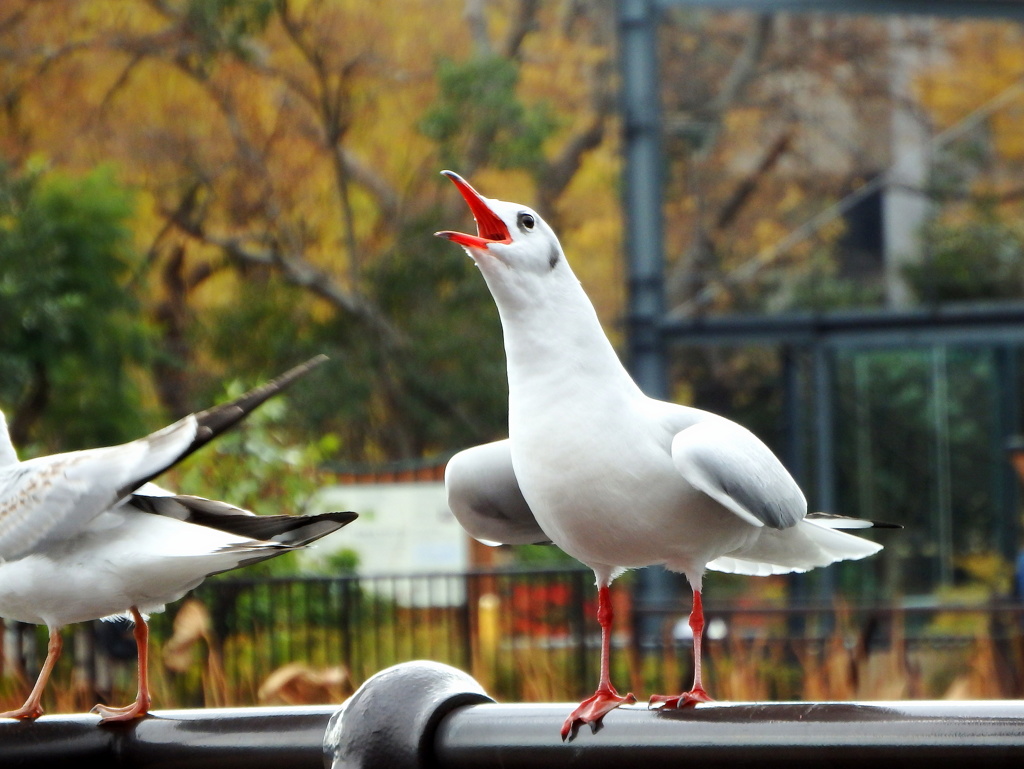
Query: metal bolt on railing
point(431, 716)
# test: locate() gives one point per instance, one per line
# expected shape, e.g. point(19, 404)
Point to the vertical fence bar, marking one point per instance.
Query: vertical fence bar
point(392, 608)
point(579, 625)
point(825, 469)
point(312, 622)
point(278, 591)
point(1007, 420)
point(471, 594)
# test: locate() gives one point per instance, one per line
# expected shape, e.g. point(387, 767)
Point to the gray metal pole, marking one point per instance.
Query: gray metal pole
point(824, 448)
point(642, 192)
point(1007, 424)
point(644, 240)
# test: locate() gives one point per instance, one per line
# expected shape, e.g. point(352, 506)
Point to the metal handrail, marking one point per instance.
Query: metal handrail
point(424, 714)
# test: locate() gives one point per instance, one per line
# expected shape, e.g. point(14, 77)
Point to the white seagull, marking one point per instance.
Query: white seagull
point(84, 536)
point(614, 478)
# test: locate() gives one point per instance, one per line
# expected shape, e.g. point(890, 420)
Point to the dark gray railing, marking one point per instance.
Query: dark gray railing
point(424, 714)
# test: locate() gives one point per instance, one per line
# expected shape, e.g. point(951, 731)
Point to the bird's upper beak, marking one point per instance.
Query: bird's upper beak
point(489, 226)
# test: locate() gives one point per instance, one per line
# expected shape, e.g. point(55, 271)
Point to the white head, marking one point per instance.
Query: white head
point(549, 324)
point(517, 252)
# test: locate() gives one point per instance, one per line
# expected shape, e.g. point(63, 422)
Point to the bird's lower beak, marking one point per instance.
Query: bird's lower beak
point(489, 226)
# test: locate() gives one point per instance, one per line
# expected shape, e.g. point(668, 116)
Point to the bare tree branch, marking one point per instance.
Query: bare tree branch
point(524, 21)
point(299, 272)
point(743, 191)
point(560, 170)
point(333, 110)
point(120, 82)
point(743, 69)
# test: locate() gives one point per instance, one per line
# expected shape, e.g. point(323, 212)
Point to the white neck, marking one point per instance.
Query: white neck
point(552, 333)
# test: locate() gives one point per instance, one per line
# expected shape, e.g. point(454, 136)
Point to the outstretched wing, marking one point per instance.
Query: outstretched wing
point(484, 496)
point(732, 466)
point(54, 497)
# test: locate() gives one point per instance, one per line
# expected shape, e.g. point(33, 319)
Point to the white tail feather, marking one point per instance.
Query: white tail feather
point(806, 546)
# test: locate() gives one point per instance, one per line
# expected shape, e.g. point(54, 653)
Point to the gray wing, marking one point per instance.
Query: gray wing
point(731, 465)
point(484, 496)
point(55, 497)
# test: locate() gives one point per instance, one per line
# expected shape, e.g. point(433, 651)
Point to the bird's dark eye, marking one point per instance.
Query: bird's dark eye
point(526, 221)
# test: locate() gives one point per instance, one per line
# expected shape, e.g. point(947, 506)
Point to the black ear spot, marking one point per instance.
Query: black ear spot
point(553, 257)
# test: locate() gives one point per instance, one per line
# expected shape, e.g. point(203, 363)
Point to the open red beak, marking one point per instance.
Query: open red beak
point(489, 227)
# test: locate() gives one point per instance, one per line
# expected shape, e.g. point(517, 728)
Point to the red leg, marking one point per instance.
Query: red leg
point(697, 693)
point(605, 699)
point(140, 707)
point(33, 705)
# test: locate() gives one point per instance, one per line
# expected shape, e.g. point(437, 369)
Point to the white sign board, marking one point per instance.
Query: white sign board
point(403, 528)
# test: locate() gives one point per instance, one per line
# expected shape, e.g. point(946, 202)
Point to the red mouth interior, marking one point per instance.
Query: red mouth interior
point(489, 226)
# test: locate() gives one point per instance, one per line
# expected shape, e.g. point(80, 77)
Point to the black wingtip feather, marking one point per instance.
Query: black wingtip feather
point(855, 523)
point(214, 421)
point(290, 530)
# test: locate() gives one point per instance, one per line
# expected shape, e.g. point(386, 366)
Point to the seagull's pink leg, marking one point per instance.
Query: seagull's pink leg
point(697, 693)
point(605, 699)
point(33, 707)
point(140, 707)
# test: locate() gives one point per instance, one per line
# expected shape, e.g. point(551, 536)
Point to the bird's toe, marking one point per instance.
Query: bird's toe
point(114, 715)
point(593, 709)
point(685, 700)
point(24, 713)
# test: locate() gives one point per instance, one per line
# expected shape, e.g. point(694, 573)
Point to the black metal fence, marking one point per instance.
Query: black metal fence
point(526, 636)
point(504, 626)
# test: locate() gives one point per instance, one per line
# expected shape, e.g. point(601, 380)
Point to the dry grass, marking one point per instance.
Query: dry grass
point(851, 663)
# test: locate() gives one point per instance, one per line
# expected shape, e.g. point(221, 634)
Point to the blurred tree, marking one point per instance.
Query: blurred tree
point(287, 194)
point(769, 118)
point(478, 116)
point(974, 260)
point(70, 323)
point(974, 247)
